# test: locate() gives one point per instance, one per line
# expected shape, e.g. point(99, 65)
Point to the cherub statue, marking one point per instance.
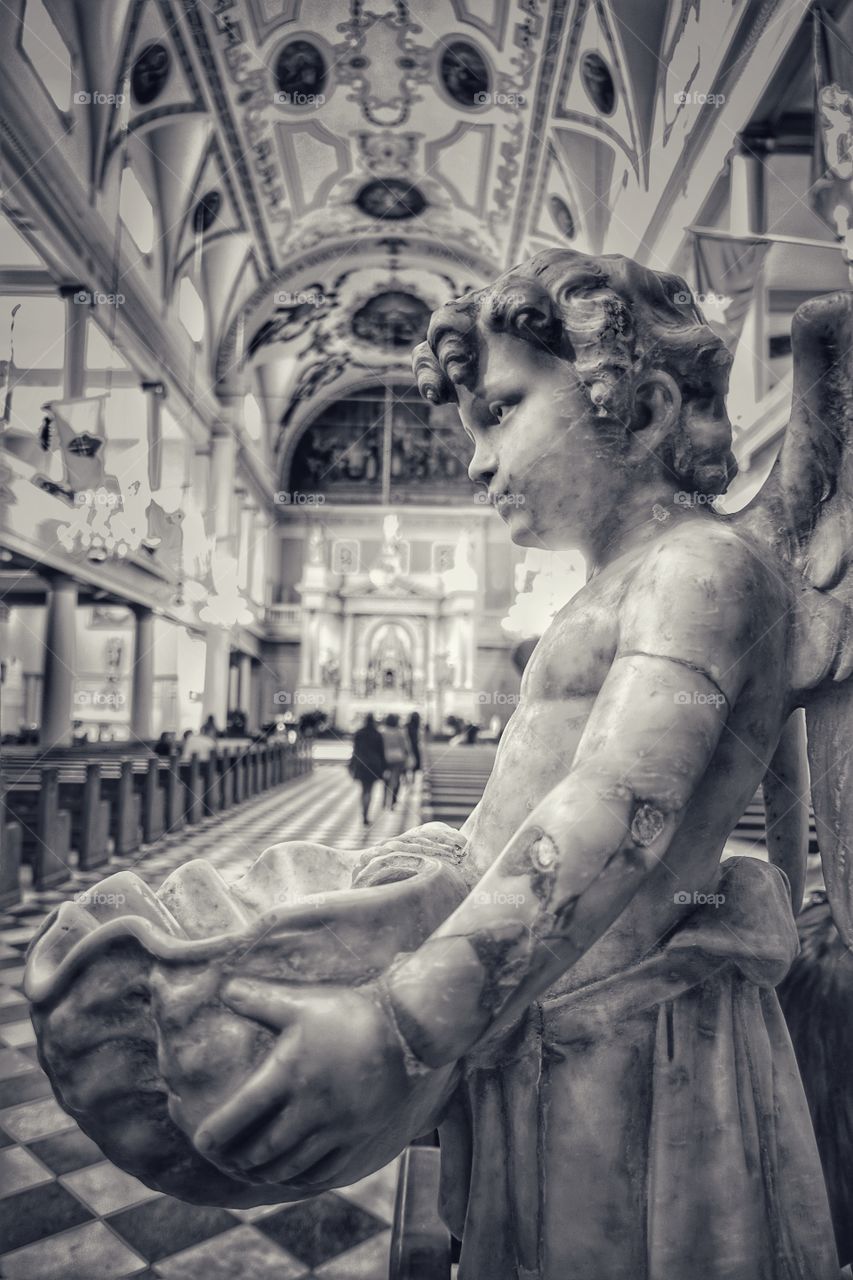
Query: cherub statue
point(625, 1100)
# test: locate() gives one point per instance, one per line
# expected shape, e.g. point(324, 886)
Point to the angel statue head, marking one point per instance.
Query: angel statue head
point(593, 392)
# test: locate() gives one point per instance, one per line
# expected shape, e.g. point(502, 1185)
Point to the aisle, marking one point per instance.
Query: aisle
point(68, 1214)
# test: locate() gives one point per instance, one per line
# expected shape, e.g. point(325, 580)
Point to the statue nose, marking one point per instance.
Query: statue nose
point(483, 465)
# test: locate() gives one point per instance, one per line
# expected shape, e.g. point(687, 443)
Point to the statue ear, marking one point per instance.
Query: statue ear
point(657, 406)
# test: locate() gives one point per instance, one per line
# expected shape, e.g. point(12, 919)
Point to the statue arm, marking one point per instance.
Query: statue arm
point(571, 868)
point(349, 1061)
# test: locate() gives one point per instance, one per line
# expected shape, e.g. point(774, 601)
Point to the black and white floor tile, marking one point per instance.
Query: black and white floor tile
point(66, 1213)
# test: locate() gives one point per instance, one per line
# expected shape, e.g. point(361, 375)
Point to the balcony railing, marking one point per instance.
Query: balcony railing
point(284, 621)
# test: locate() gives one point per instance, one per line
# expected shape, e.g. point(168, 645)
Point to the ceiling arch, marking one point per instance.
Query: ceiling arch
point(324, 146)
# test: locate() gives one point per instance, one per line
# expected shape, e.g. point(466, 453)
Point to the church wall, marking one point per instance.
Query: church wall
point(105, 638)
point(278, 675)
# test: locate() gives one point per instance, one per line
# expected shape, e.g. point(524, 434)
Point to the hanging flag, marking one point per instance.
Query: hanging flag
point(832, 157)
point(726, 269)
point(10, 370)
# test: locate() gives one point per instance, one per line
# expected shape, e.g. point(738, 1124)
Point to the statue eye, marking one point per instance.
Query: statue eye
point(499, 409)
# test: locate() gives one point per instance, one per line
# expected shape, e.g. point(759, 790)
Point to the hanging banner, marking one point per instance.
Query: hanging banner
point(832, 158)
point(726, 270)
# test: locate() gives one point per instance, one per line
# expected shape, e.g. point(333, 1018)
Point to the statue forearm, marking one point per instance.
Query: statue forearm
point(564, 877)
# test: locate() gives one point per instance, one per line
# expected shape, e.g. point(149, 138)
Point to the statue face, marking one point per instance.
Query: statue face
point(549, 464)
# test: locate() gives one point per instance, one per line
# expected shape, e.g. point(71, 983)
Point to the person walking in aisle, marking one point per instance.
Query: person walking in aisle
point(368, 764)
point(396, 757)
point(413, 733)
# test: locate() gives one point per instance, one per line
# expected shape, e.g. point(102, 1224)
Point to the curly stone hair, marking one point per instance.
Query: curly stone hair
point(609, 317)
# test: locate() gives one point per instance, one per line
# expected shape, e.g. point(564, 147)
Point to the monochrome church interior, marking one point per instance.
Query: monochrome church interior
point(231, 528)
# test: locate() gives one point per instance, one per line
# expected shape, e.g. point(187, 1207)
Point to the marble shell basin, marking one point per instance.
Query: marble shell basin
point(124, 988)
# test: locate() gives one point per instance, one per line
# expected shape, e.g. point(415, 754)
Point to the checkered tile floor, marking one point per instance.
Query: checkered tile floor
point(68, 1214)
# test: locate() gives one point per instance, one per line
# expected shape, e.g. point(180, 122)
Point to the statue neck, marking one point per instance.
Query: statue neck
point(641, 521)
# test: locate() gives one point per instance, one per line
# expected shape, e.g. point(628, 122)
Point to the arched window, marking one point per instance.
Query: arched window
point(382, 444)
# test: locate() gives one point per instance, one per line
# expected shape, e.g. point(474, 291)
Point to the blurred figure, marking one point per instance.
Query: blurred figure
point(237, 721)
point(396, 757)
point(201, 744)
point(413, 733)
point(209, 728)
point(367, 765)
point(164, 743)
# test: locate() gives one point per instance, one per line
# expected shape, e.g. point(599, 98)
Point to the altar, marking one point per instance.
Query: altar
point(386, 639)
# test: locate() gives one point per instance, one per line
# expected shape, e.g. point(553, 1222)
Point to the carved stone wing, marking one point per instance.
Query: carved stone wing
point(804, 516)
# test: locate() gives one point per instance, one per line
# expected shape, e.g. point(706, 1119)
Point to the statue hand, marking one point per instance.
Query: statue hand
point(334, 1079)
point(431, 839)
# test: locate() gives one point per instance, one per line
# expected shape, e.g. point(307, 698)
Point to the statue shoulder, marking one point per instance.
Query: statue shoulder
point(706, 557)
point(705, 596)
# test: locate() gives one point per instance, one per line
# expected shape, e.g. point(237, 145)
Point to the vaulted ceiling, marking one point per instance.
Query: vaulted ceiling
point(328, 171)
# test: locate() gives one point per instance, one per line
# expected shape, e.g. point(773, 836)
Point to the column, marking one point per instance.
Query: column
point(305, 647)
point(76, 298)
point(244, 684)
point(142, 697)
point(315, 649)
point(223, 453)
point(469, 649)
point(155, 393)
point(221, 494)
point(432, 652)
point(60, 663)
point(257, 585)
point(246, 547)
point(257, 712)
point(216, 670)
point(346, 653)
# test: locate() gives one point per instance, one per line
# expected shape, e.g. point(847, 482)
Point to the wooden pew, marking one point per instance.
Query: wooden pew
point(107, 798)
point(153, 803)
point(239, 771)
point(194, 789)
point(126, 815)
point(32, 797)
point(175, 797)
point(211, 796)
point(10, 859)
point(93, 849)
point(226, 778)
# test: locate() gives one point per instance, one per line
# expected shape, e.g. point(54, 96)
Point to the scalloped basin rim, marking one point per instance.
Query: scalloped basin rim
point(44, 981)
